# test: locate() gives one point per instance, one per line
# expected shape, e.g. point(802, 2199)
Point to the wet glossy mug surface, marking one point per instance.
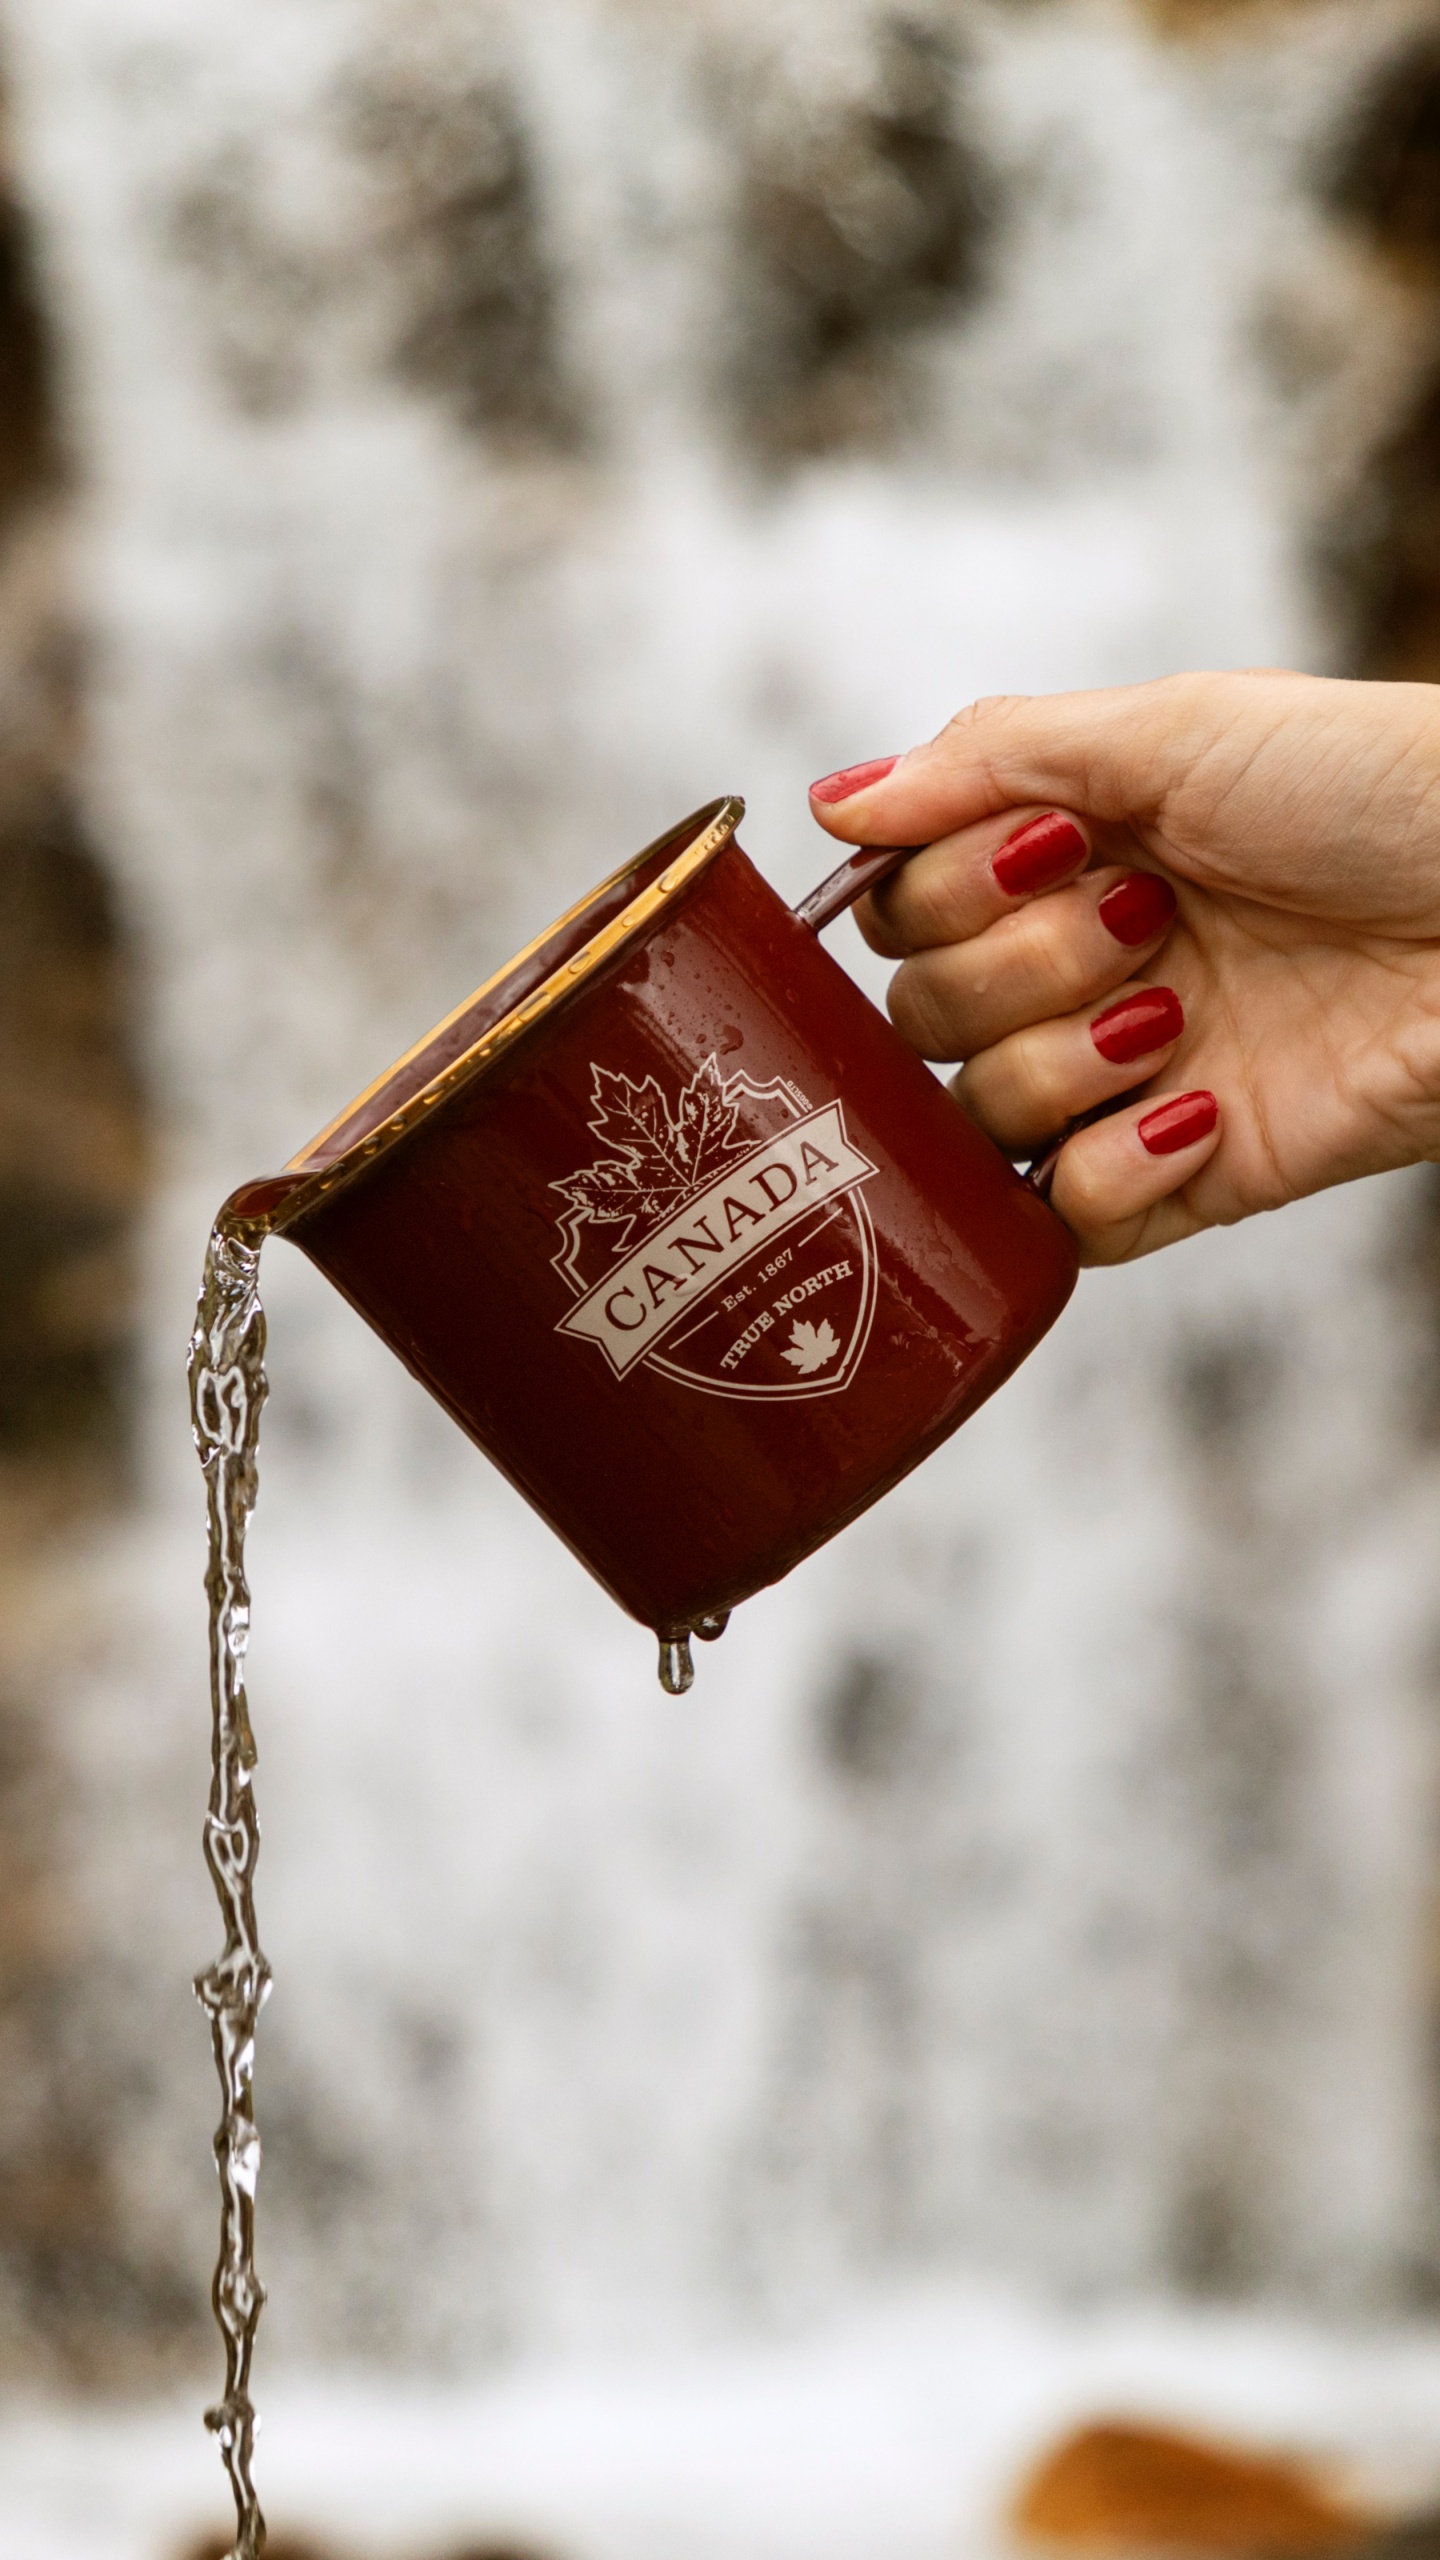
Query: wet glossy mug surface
point(704, 1259)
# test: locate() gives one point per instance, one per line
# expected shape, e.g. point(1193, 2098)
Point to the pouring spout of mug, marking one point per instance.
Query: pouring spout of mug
point(861, 870)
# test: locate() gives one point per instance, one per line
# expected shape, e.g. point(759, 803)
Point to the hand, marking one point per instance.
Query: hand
point(1217, 893)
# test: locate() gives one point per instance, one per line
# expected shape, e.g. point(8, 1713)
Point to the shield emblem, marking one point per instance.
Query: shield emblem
point(723, 1240)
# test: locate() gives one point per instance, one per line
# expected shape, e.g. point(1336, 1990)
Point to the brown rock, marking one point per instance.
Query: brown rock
point(496, 2551)
point(1117, 2486)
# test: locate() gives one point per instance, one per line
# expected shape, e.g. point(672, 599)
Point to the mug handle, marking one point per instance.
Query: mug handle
point(859, 871)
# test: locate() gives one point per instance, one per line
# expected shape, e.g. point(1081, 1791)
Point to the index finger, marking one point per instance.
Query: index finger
point(956, 887)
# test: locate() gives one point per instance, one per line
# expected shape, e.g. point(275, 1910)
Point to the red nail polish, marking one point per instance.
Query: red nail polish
point(1138, 1024)
point(1137, 908)
point(1039, 856)
point(1178, 1123)
point(852, 778)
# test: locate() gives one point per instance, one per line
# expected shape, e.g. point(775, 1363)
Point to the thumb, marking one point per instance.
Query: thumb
point(1109, 755)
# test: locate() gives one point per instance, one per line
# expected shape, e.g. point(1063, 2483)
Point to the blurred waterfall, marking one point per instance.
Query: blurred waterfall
point(497, 431)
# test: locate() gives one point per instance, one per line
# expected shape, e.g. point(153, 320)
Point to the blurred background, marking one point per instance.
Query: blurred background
point(441, 443)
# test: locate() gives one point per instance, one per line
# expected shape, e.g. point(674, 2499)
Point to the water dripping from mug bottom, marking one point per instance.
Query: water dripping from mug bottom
point(677, 1667)
point(677, 1663)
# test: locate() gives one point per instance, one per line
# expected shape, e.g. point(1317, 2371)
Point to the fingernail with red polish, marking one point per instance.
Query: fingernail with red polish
point(1178, 1123)
point(1039, 856)
point(1137, 908)
point(852, 778)
point(1138, 1024)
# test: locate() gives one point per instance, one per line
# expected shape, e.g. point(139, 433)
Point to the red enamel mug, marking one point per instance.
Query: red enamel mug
point(679, 1231)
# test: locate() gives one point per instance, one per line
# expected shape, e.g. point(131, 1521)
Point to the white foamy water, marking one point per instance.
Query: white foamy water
point(1039, 1880)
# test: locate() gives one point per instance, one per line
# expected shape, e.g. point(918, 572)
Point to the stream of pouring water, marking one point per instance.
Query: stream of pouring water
point(227, 1390)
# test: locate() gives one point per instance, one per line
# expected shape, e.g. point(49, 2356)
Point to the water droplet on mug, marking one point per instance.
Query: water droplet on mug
point(677, 1670)
point(709, 1629)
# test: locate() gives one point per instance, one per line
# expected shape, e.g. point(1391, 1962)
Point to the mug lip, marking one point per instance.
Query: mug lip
point(706, 832)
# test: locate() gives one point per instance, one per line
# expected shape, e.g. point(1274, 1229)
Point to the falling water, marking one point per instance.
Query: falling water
point(227, 1391)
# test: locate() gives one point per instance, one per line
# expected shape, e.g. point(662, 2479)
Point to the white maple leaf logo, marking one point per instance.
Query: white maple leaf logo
point(660, 1157)
point(812, 1346)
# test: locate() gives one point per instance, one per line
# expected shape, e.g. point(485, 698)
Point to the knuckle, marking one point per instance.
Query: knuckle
point(928, 902)
point(924, 1013)
point(1086, 1189)
point(1044, 1090)
point(976, 738)
point(975, 1089)
point(934, 905)
point(990, 708)
point(878, 929)
point(1064, 972)
point(1074, 974)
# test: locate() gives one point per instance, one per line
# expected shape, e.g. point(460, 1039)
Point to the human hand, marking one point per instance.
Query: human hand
point(1218, 893)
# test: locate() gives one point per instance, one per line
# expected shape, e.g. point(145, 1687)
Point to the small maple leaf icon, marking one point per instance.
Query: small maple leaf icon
point(812, 1346)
